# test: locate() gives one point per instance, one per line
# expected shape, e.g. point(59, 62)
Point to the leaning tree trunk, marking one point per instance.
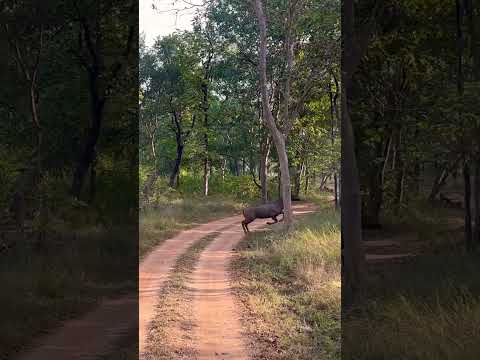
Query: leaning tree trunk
point(175, 175)
point(438, 183)
point(278, 137)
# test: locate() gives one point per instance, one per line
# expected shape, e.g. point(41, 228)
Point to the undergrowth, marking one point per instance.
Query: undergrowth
point(290, 286)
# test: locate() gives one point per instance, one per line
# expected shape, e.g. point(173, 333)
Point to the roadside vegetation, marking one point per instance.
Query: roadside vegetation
point(169, 211)
point(289, 286)
point(425, 308)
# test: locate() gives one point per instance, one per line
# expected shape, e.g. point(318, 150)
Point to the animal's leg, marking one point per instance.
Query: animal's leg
point(244, 226)
point(274, 218)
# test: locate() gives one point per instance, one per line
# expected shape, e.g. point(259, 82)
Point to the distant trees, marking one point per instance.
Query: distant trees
point(221, 89)
point(64, 68)
point(412, 106)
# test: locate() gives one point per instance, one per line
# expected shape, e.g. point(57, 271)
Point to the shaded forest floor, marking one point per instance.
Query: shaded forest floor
point(66, 275)
point(425, 306)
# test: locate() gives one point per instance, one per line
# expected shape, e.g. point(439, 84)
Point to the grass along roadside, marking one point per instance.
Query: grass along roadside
point(173, 215)
point(169, 337)
point(65, 278)
point(425, 309)
point(289, 288)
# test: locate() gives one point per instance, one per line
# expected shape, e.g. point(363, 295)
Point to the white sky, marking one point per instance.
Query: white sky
point(162, 20)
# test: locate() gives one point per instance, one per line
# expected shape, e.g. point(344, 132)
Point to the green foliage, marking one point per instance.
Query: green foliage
point(210, 74)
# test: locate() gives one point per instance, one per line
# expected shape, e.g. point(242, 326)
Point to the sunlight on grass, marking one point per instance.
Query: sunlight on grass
point(172, 214)
point(292, 283)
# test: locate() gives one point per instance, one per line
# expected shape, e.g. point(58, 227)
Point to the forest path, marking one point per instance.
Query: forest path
point(99, 332)
point(91, 336)
point(218, 332)
point(215, 330)
point(156, 266)
point(383, 247)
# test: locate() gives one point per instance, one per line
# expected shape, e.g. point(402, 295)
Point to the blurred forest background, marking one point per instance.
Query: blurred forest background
point(412, 99)
point(68, 160)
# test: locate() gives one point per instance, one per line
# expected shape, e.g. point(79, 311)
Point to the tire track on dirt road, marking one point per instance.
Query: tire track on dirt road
point(155, 269)
point(218, 333)
point(98, 332)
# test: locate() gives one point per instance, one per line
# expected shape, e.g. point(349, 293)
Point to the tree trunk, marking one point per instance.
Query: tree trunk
point(297, 181)
point(476, 205)
point(236, 165)
point(353, 258)
point(386, 158)
point(264, 168)
point(206, 161)
point(468, 214)
point(223, 167)
point(306, 180)
point(351, 225)
point(152, 178)
point(438, 183)
point(335, 189)
point(149, 183)
point(278, 137)
point(206, 175)
point(333, 115)
point(175, 176)
point(93, 180)
point(88, 153)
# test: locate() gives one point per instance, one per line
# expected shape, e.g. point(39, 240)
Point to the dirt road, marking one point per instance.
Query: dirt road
point(155, 268)
point(217, 331)
point(94, 335)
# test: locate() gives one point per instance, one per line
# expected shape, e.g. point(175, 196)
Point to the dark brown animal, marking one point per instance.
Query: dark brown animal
point(265, 211)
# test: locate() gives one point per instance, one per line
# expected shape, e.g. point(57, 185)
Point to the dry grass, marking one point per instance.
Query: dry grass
point(425, 309)
point(289, 287)
point(172, 215)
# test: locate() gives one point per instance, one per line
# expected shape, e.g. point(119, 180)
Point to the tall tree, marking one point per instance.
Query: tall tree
point(277, 135)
